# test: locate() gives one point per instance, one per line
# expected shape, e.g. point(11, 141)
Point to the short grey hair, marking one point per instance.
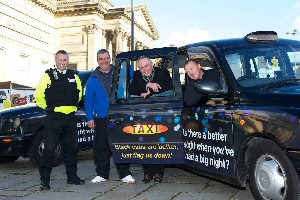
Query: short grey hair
point(144, 57)
point(61, 52)
point(103, 51)
point(191, 60)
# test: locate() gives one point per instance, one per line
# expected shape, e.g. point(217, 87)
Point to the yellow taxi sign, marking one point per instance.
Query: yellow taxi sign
point(145, 129)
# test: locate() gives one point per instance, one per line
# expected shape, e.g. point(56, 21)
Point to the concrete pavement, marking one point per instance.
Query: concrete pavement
point(20, 181)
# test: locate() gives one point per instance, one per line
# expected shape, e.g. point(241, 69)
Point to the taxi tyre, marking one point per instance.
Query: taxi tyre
point(37, 148)
point(271, 174)
point(8, 159)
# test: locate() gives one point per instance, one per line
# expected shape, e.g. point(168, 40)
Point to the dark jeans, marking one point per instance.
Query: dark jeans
point(152, 169)
point(60, 127)
point(102, 151)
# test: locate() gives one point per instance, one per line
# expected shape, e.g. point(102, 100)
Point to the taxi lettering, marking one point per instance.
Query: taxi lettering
point(145, 129)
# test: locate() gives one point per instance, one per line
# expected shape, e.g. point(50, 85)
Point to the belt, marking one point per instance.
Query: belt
point(60, 114)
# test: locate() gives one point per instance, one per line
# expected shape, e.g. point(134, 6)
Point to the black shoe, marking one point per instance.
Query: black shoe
point(76, 181)
point(45, 185)
point(157, 178)
point(146, 179)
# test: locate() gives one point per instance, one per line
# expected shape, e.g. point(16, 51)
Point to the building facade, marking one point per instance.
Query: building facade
point(31, 31)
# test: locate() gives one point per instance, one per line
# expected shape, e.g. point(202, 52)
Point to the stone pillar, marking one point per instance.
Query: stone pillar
point(104, 39)
point(129, 43)
point(119, 42)
point(93, 45)
point(125, 42)
point(110, 38)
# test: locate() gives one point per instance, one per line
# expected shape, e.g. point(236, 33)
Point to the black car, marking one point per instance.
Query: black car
point(22, 129)
point(245, 129)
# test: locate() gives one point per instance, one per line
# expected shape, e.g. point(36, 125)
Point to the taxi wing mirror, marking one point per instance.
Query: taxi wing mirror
point(208, 87)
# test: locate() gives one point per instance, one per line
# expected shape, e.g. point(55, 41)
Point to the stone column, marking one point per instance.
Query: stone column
point(110, 37)
point(125, 42)
point(93, 45)
point(118, 35)
point(104, 39)
point(129, 43)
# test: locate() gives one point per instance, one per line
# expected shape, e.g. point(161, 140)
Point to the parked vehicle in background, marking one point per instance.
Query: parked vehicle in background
point(22, 131)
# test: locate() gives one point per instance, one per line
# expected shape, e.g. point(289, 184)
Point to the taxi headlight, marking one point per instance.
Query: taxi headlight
point(11, 125)
point(16, 122)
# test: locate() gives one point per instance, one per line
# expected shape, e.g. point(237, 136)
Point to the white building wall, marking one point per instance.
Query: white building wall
point(26, 41)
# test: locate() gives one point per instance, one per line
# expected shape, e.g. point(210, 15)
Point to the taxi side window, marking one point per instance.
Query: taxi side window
point(208, 63)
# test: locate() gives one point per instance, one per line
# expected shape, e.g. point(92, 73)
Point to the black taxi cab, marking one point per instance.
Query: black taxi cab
point(247, 129)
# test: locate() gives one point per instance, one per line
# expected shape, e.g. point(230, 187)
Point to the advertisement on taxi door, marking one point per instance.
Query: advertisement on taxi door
point(208, 142)
point(143, 138)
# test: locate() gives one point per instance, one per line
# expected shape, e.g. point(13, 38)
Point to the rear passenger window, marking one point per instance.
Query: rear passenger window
point(132, 80)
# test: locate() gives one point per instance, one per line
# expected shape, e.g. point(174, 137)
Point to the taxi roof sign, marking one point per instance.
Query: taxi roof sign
point(261, 37)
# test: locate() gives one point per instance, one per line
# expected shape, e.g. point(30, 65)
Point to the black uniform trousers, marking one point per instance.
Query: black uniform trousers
point(102, 151)
point(61, 127)
point(152, 169)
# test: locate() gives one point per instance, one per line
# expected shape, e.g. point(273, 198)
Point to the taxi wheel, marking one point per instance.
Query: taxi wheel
point(271, 173)
point(37, 148)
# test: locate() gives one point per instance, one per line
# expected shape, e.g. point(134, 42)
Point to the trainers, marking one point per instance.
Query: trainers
point(157, 178)
point(147, 178)
point(98, 179)
point(128, 179)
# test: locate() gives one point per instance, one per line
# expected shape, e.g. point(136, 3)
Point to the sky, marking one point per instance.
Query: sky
point(183, 22)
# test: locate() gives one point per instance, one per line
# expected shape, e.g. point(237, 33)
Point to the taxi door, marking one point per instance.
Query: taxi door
point(207, 126)
point(146, 130)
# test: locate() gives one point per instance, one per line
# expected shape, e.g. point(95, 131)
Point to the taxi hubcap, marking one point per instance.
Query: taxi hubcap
point(270, 178)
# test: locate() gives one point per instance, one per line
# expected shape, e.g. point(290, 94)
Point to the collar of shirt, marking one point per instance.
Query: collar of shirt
point(110, 71)
point(63, 72)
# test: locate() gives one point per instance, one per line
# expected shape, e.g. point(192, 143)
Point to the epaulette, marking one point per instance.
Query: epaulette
point(52, 71)
point(49, 70)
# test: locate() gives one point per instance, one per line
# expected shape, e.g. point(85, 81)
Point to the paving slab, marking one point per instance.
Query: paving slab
point(20, 180)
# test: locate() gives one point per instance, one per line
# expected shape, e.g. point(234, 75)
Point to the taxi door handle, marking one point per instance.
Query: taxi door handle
point(117, 120)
